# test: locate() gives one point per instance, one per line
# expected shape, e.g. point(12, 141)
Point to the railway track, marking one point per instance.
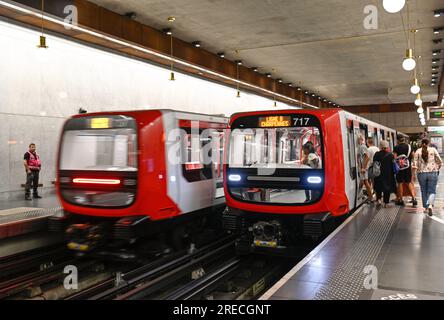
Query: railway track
point(33, 260)
point(157, 275)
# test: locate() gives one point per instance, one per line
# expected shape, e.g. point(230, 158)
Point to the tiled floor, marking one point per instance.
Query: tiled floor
point(409, 264)
point(48, 201)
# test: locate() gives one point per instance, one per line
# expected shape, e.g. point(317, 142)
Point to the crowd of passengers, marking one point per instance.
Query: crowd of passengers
point(384, 172)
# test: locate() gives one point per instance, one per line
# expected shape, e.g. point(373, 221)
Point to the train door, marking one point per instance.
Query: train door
point(218, 140)
point(351, 145)
point(202, 174)
point(360, 184)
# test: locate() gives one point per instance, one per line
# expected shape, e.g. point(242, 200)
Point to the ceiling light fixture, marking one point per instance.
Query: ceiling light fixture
point(172, 76)
point(255, 69)
point(167, 31)
point(42, 44)
point(420, 110)
point(393, 6)
point(268, 75)
point(221, 54)
point(61, 22)
point(438, 30)
point(418, 101)
point(279, 80)
point(409, 63)
point(435, 61)
point(438, 13)
point(131, 15)
point(238, 62)
point(415, 88)
point(196, 44)
point(436, 52)
point(421, 116)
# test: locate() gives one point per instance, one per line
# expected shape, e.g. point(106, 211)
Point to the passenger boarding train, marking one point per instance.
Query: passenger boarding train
point(274, 197)
point(123, 175)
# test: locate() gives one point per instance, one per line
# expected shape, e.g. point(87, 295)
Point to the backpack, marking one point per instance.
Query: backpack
point(403, 161)
point(376, 169)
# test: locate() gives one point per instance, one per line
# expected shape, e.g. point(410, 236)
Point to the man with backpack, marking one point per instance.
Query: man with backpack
point(403, 156)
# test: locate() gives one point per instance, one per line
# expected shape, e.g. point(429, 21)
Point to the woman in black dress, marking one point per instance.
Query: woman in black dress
point(385, 183)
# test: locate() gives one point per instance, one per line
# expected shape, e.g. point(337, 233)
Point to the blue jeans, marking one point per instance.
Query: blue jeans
point(427, 182)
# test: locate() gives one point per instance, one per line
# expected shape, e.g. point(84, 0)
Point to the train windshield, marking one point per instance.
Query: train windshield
point(276, 147)
point(99, 144)
point(276, 160)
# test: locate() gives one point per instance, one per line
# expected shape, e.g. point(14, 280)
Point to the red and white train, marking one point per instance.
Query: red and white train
point(272, 197)
point(125, 175)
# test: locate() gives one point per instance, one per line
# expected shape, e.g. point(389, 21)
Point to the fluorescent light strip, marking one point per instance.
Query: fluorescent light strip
point(160, 55)
point(96, 181)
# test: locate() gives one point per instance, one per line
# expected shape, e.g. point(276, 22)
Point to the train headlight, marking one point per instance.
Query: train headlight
point(234, 177)
point(316, 180)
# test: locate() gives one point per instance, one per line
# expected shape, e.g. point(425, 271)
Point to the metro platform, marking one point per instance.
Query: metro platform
point(23, 224)
point(395, 253)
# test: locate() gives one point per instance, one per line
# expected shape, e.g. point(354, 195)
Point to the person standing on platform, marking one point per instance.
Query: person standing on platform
point(364, 161)
point(404, 156)
point(385, 183)
point(33, 166)
point(372, 149)
point(427, 164)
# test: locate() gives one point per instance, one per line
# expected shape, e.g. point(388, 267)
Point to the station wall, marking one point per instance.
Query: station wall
point(407, 122)
point(40, 88)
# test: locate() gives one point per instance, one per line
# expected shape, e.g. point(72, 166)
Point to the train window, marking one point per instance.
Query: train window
point(99, 150)
point(276, 147)
point(202, 153)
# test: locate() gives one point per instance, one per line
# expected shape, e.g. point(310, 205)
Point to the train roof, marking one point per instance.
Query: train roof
point(135, 112)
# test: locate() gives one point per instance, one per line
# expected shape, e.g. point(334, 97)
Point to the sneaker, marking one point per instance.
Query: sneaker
point(400, 203)
point(414, 202)
point(36, 196)
point(430, 211)
point(426, 210)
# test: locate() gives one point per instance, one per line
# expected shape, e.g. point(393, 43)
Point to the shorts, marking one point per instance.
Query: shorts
point(404, 176)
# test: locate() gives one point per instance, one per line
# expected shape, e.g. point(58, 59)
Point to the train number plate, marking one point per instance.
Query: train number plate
point(267, 244)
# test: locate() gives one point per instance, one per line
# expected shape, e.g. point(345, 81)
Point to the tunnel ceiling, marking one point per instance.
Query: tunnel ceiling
point(319, 45)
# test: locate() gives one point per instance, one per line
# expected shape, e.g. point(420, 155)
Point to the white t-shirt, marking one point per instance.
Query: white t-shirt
point(371, 152)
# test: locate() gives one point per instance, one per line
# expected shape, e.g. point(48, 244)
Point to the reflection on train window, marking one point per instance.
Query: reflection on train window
point(109, 149)
point(269, 195)
point(201, 153)
point(276, 147)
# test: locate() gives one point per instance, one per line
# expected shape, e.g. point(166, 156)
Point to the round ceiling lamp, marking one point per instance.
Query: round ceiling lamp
point(420, 110)
point(415, 88)
point(421, 116)
point(393, 6)
point(418, 101)
point(409, 63)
